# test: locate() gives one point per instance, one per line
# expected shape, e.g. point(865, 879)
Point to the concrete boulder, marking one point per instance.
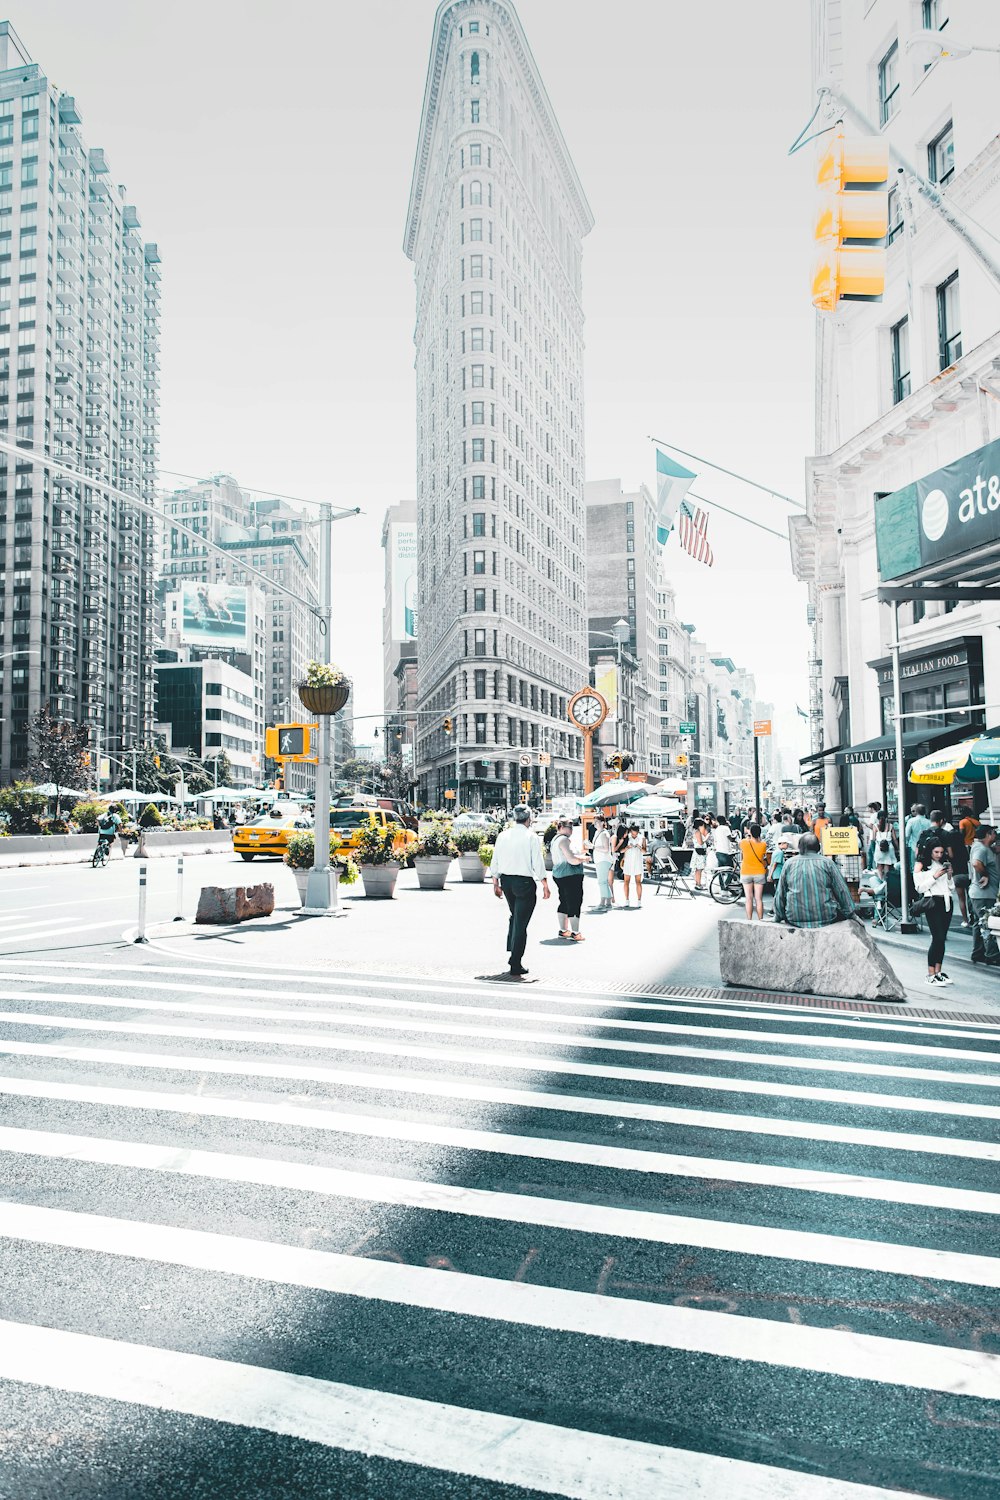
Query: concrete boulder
point(219, 904)
point(842, 960)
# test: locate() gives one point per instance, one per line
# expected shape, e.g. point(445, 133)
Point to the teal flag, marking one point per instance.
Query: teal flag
point(672, 484)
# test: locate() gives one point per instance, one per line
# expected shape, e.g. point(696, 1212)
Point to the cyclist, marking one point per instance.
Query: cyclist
point(108, 829)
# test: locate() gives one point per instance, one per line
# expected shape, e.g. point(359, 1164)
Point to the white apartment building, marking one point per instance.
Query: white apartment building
point(205, 707)
point(908, 409)
point(495, 226)
point(79, 378)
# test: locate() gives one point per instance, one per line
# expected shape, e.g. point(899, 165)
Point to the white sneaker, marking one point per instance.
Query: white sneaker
point(943, 979)
point(931, 979)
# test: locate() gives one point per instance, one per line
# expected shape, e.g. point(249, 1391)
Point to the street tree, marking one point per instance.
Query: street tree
point(396, 780)
point(57, 751)
point(219, 766)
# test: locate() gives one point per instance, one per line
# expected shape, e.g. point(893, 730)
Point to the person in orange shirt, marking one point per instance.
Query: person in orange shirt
point(753, 871)
point(968, 823)
point(820, 821)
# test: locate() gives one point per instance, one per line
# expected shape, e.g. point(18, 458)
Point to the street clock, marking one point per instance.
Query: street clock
point(587, 709)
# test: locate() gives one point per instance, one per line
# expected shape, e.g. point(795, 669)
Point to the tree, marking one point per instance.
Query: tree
point(155, 770)
point(396, 779)
point(57, 751)
point(220, 766)
point(364, 772)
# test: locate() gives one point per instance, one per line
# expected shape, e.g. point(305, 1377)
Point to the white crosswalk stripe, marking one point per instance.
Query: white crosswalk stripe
point(369, 1215)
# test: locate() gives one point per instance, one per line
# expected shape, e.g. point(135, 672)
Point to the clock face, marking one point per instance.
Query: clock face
point(587, 710)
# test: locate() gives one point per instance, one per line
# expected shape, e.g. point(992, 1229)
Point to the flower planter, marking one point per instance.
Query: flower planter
point(471, 867)
point(380, 880)
point(432, 870)
point(328, 698)
point(302, 884)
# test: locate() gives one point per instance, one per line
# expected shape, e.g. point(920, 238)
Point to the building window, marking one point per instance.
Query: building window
point(474, 112)
point(475, 267)
point(480, 729)
point(474, 66)
point(934, 15)
point(473, 28)
point(479, 643)
point(475, 339)
point(949, 323)
point(475, 155)
point(475, 192)
point(475, 302)
point(895, 228)
point(941, 156)
point(478, 450)
point(888, 84)
point(479, 562)
point(475, 229)
point(900, 337)
point(478, 410)
point(479, 486)
point(479, 523)
point(479, 599)
point(476, 377)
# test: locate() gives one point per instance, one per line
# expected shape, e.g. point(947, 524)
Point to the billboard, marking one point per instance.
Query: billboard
point(606, 683)
point(215, 614)
point(403, 581)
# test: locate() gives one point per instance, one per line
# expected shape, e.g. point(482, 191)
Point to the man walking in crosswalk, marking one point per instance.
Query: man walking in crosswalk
point(517, 868)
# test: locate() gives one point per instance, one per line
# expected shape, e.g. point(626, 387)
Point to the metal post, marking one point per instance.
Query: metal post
point(905, 925)
point(756, 775)
point(458, 765)
point(318, 895)
point(140, 931)
point(180, 889)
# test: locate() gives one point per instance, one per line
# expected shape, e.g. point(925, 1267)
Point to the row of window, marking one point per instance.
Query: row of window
point(949, 338)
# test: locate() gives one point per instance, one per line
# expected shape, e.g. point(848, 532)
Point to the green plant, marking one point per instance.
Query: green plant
point(87, 815)
point(23, 807)
point(467, 840)
point(301, 848)
point(349, 871)
point(323, 674)
point(485, 853)
point(549, 834)
point(434, 841)
point(376, 845)
point(56, 825)
point(150, 817)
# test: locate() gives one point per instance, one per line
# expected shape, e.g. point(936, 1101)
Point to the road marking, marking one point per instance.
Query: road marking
point(738, 1124)
point(507, 1450)
point(702, 1081)
point(537, 1148)
point(57, 930)
point(669, 1005)
point(296, 1013)
point(306, 1039)
point(419, 1193)
point(860, 1356)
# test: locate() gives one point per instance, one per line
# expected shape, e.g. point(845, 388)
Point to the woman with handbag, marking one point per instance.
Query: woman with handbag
point(932, 877)
point(567, 872)
point(699, 850)
point(603, 850)
point(886, 852)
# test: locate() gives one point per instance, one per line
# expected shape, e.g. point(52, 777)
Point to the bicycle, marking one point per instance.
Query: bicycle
point(726, 886)
point(101, 854)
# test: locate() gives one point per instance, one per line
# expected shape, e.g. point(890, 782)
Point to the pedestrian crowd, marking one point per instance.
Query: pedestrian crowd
point(947, 870)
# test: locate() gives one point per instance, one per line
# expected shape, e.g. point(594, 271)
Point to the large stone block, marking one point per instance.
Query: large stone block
point(842, 960)
point(219, 904)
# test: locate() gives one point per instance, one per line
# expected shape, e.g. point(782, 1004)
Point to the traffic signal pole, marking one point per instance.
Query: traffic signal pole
point(319, 895)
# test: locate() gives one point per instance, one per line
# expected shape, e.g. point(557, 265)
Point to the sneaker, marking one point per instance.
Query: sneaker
point(931, 979)
point(943, 979)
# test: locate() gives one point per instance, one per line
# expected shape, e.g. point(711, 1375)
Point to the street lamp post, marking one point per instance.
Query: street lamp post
point(318, 886)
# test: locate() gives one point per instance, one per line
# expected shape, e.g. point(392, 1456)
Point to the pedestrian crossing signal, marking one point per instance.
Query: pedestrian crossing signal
point(526, 788)
point(447, 726)
point(288, 742)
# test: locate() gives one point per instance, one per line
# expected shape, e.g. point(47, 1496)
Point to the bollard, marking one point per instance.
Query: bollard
point(180, 889)
point(140, 931)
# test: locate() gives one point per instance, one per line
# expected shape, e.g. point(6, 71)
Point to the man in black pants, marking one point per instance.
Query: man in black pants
point(517, 866)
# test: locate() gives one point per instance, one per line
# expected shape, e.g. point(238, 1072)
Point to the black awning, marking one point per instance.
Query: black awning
point(819, 755)
point(883, 748)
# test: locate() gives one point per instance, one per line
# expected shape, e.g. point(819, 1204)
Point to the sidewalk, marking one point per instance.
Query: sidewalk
point(458, 934)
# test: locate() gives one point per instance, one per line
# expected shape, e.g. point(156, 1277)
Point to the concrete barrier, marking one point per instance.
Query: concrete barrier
point(154, 842)
point(26, 849)
point(842, 960)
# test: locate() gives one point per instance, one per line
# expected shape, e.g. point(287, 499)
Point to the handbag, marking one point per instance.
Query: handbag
point(921, 906)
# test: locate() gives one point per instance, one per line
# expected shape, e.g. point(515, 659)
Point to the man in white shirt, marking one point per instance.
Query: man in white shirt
point(516, 868)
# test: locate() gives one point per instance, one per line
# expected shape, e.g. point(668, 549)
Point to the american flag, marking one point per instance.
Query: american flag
point(692, 524)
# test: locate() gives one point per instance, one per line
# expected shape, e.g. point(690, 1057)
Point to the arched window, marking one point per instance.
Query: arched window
point(475, 67)
point(475, 192)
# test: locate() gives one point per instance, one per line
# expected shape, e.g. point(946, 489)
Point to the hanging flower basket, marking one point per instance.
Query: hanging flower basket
point(325, 689)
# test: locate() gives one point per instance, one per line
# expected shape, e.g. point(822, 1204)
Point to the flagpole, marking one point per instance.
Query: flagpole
point(735, 513)
point(766, 488)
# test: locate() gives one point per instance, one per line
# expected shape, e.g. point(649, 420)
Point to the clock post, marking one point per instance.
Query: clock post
point(587, 710)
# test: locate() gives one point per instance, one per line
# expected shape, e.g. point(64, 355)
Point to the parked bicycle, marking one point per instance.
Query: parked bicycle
point(725, 886)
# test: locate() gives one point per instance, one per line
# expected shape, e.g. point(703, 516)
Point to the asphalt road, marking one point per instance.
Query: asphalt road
point(329, 1235)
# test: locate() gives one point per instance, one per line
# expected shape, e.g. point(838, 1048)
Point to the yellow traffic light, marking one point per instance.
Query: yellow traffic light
point(852, 221)
point(447, 726)
point(156, 761)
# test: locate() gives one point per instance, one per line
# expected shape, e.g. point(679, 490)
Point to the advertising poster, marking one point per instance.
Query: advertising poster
point(214, 614)
point(404, 582)
point(606, 684)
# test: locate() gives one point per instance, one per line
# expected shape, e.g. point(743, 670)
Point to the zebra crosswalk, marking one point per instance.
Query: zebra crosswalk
point(354, 1235)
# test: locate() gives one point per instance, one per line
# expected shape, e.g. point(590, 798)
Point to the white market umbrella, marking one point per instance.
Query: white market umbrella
point(613, 793)
point(657, 807)
point(49, 789)
point(127, 795)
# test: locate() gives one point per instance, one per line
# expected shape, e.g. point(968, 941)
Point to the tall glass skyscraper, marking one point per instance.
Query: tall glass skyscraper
point(79, 378)
point(496, 221)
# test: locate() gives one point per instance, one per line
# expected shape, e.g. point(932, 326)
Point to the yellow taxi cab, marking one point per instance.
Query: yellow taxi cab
point(269, 833)
point(349, 822)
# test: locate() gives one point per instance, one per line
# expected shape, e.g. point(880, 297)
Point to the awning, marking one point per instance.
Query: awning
point(878, 751)
point(818, 756)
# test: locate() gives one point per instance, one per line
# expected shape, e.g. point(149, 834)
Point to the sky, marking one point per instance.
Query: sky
point(269, 149)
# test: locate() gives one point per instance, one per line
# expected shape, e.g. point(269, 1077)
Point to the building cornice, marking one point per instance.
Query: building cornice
point(506, 16)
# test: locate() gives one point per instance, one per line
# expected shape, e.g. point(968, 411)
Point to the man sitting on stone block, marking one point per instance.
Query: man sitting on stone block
point(812, 892)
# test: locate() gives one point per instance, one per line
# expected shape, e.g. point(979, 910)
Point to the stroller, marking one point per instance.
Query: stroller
point(878, 893)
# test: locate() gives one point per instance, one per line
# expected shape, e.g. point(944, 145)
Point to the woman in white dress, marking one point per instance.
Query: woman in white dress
point(634, 863)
